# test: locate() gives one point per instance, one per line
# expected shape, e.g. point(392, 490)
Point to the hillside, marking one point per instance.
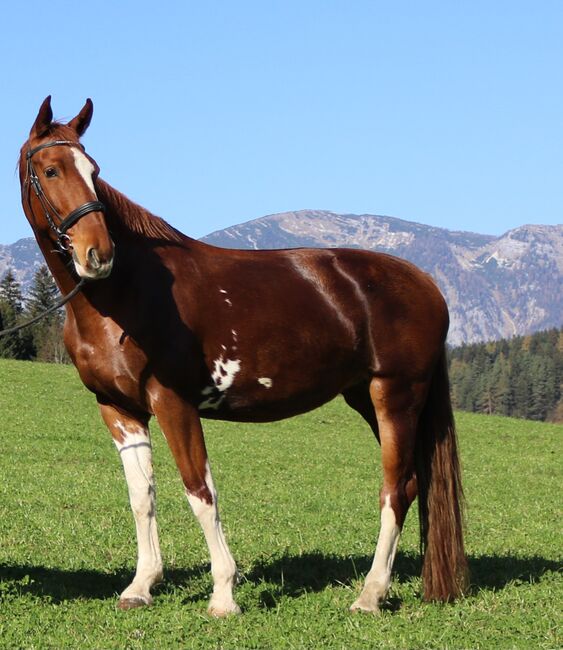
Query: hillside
point(495, 286)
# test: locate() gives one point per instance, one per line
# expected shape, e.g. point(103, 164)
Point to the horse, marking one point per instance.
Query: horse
point(168, 326)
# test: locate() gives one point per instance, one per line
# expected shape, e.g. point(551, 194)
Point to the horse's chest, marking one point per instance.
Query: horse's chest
point(111, 368)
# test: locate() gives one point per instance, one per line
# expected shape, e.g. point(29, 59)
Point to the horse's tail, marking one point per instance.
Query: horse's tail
point(440, 495)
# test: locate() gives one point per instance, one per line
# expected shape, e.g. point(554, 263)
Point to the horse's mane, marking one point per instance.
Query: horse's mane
point(124, 213)
point(127, 214)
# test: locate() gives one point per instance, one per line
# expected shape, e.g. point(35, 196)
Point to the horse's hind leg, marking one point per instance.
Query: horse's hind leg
point(131, 437)
point(359, 399)
point(397, 407)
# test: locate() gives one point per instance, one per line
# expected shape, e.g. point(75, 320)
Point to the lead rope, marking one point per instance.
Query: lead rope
point(62, 301)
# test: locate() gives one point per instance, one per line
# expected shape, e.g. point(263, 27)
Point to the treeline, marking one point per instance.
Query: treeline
point(520, 377)
point(42, 341)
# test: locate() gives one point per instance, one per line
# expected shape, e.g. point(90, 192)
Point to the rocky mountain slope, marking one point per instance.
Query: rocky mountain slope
point(495, 286)
point(23, 258)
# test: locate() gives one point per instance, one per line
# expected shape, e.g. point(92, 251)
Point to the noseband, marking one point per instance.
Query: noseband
point(51, 213)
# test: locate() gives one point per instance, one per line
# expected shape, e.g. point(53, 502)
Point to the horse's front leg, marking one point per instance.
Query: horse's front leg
point(131, 437)
point(181, 426)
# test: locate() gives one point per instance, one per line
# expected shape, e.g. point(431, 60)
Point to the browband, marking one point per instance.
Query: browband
point(53, 143)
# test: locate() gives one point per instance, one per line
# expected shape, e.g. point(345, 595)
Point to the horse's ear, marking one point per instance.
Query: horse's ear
point(82, 121)
point(43, 119)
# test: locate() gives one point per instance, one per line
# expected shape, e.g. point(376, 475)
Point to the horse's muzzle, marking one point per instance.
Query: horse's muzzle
point(96, 266)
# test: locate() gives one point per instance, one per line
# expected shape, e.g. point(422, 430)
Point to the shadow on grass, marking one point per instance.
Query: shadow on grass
point(287, 575)
point(60, 584)
point(296, 575)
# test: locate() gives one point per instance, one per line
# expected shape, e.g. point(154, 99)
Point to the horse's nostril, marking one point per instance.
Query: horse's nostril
point(93, 259)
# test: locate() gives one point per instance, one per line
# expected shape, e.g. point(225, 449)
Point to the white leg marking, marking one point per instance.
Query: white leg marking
point(84, 166)
point(223, 567)
point(379, 577)
point(266, 382)
point(136, 456)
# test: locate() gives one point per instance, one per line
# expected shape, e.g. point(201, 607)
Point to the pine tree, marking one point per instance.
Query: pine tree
point(11, 294)
point(500, 386)
point(18, 345)
point(47, 333)
point(521, 377)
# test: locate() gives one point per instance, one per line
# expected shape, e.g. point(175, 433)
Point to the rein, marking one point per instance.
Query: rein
point(62, 301)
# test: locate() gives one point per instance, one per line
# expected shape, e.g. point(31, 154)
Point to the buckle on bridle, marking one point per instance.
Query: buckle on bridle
point(64, 242)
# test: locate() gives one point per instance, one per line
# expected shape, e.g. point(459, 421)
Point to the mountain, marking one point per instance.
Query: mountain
point(496, 287)
point(24, 258)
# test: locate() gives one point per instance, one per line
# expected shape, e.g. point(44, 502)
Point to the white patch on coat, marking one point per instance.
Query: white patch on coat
point(223, 376)
point(266, 382)
point(222, 291)
point(212, 402)
point(224, 372)
point(223, 567)
point(85, 167)
point(235, 335)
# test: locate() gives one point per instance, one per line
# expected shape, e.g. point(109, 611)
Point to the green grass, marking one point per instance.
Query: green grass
point(298, 500)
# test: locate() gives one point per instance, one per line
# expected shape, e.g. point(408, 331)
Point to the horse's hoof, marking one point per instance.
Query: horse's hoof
point(132, 602)
point(222, 611)
point(362, 606)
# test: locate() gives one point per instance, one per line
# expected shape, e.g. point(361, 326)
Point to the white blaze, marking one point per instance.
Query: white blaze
point(85, 167)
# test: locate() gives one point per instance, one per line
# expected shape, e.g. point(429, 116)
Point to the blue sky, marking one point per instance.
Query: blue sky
point(213, 113)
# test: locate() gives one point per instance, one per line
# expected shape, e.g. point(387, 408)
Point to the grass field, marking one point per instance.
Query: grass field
point(298, 502)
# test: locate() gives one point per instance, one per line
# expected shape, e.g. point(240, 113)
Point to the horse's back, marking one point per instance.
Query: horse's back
point(380, 310)
point(405, 311)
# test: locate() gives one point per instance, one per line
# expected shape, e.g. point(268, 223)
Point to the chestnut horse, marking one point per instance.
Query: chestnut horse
point(169, 326)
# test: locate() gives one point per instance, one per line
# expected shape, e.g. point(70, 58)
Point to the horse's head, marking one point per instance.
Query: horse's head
point(58, 191)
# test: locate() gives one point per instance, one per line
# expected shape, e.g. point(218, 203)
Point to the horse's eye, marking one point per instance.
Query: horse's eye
point(50, 172)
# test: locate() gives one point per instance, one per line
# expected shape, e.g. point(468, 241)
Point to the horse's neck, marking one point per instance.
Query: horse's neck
point(127, 218)
point(130, 226)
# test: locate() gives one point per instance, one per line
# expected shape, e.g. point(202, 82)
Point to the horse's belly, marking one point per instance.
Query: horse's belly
point(239, 391)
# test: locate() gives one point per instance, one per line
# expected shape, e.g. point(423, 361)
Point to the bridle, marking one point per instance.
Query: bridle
point(51, 213)
point(63, 240)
